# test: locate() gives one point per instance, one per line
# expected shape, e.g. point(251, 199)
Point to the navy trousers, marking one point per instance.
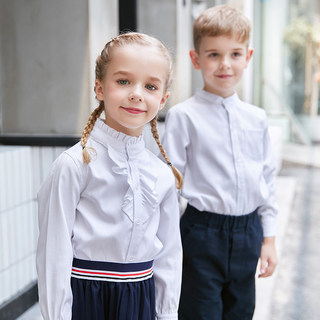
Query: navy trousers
point(220, 255)
point(112, 291)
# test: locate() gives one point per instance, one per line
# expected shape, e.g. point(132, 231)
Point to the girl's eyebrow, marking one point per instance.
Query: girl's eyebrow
point(155, 79)
point(121, 72)
point(127, 73)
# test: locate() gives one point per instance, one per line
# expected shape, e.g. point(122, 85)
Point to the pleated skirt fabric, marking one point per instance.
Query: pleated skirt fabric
point(112, 291)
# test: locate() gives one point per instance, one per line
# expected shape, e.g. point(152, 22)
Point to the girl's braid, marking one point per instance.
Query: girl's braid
point(87, 129)
point(177, 174)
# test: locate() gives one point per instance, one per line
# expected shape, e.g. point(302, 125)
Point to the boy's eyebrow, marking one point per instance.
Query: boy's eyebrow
point(234, 49)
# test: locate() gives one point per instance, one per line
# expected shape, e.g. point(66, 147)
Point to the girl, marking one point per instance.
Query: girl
point(109, 244)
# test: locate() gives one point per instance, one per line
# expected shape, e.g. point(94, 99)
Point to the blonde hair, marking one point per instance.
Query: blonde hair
point(221, 20)
point(101, 68)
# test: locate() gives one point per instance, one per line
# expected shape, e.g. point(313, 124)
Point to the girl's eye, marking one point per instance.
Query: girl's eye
point(123, 82)
point(150, 87)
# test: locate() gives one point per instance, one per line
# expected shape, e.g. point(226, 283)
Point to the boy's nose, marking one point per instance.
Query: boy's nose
point(136, 94)
point(225, 62)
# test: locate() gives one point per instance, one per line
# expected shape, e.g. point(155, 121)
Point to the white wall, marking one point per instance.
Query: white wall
point(22, 169)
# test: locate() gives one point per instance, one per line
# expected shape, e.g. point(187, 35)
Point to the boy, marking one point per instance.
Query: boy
point(221, 146)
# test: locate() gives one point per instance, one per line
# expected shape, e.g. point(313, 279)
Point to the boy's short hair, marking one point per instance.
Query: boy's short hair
point(221, 20)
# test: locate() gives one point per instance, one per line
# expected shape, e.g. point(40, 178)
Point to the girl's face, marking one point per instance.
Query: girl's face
point(222, 61)
point(133, 90)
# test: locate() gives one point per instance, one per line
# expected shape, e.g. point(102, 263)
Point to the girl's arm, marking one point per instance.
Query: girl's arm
point(168, 264)
point(57, 202)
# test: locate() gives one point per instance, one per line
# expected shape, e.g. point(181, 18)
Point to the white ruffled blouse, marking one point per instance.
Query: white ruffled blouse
point(121, 207)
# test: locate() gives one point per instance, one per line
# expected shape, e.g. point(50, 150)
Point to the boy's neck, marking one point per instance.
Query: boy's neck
point(220, 95)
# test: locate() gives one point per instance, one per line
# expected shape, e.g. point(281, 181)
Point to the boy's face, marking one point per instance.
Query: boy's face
point(221, 60)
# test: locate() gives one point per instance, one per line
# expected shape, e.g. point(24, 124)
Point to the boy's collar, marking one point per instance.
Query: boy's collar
point(213, 97)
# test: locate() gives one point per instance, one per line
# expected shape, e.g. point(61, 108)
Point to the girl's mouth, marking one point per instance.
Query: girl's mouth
point(133, 110)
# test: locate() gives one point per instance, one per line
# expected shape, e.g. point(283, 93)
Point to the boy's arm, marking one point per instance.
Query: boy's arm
point(268, 257)
point(268, 212)
point(176, 139)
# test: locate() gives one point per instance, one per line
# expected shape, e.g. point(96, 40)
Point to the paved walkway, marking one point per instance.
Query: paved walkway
point(292, 293)
point(285, 192)
point(294, 290)
point(297, 290)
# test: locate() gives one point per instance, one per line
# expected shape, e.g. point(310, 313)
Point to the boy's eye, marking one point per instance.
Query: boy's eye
point(236, 54)
point(150, 87)
point(123, 82)
point(213, 54)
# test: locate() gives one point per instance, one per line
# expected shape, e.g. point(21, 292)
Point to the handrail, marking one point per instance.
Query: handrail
point(296, 126)
point(38, 140)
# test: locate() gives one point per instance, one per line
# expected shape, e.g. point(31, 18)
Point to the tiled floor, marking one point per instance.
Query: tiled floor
point(32, 314)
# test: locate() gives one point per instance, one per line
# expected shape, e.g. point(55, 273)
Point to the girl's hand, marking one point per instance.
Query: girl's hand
point(268, 257)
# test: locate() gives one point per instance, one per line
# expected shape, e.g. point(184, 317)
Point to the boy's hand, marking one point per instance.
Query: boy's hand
point(268, 257)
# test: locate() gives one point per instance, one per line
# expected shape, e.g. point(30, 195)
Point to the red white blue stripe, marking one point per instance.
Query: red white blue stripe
point(110, 271)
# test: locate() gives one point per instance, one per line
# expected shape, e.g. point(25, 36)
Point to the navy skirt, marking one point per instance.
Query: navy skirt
point(112, 291)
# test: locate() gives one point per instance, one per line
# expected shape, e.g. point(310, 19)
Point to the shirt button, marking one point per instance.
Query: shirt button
point(138, 221)
point(131, 258)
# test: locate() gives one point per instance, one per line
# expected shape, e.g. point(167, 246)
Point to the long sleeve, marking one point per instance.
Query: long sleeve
point(57, 202)
point(168, 263)
point(268, 209)
point(175, 140)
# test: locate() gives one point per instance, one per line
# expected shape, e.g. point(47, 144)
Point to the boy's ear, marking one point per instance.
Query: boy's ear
point(164, 100)
point(195, 59)
point(99, 90)
point(249, 55)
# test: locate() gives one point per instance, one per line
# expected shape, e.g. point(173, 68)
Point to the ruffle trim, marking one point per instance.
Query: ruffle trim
point(144, 188)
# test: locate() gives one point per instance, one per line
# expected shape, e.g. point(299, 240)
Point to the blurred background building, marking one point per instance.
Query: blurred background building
point(47, 58)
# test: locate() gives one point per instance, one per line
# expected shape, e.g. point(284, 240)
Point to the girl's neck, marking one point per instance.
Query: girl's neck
point(134, 132)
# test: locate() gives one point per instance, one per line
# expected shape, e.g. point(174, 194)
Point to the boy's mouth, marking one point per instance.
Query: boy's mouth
point(224, 76)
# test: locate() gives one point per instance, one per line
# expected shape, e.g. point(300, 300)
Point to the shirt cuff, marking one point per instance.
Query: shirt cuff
point(269, 228)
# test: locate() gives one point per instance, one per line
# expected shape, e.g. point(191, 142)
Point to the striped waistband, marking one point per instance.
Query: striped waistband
point(111, 271)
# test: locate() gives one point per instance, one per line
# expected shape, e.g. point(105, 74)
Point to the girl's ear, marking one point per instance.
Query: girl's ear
point(99, 90)
point(194, 59)
point(164, 100)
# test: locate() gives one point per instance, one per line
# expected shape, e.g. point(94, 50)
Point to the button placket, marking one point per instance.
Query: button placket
point(238, 161)
point(137, 233)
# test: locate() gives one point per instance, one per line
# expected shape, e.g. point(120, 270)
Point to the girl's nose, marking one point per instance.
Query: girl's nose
point(136, 95)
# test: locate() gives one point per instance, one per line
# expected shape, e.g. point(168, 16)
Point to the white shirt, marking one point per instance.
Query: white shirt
point(222, 148)
point(121, 207)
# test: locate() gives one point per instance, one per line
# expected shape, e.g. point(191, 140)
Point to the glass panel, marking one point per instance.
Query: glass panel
point(288, 34)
